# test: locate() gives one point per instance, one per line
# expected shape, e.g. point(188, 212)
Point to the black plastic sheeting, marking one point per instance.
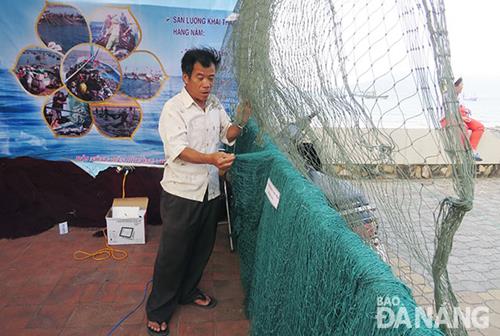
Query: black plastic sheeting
point(37, 194)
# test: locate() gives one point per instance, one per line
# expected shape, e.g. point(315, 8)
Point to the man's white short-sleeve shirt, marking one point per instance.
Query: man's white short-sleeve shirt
point(184, 124)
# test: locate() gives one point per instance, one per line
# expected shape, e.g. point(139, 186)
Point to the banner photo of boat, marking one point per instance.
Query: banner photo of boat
point(61, 27)
point(118, 117)
point(67, 116)
point(91, 73)
point(37, 70)
point(116, 29)
point(76, 75)
point(143, 75)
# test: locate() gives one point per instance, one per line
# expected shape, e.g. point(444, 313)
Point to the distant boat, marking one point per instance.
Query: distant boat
point(471, 98)
point(370, 95)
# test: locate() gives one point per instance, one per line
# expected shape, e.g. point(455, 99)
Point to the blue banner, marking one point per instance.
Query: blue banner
point(86, 81)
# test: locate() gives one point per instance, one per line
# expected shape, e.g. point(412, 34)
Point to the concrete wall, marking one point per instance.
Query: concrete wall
point(414, 146)
point(489, 146)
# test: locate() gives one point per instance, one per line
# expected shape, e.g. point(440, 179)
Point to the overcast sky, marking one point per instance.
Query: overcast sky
point(474, 28)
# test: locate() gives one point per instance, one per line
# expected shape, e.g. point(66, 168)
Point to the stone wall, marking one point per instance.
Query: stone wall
point(413, 171)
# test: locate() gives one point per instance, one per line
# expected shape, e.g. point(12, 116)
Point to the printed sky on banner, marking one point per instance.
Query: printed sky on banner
point(202, 4)
point(156, 25)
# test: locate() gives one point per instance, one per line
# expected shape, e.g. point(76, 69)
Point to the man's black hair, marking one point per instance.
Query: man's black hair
point(205, 56)
point(458, 81)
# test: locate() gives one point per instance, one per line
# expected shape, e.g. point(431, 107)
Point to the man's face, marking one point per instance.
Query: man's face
point(459, 88)
point(200, 83)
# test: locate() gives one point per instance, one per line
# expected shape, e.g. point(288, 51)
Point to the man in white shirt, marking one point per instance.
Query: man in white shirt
point(192, 124)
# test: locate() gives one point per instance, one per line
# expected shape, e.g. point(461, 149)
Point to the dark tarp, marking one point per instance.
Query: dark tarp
point(37, 194)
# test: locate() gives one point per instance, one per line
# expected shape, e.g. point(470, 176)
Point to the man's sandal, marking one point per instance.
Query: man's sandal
point(212, 302)
point(152, 332)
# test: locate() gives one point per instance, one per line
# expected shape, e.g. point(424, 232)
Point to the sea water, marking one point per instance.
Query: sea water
point(67, 36)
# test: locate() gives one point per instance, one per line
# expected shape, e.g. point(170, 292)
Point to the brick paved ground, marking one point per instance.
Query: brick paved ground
point(44, 292)
point(474, 264)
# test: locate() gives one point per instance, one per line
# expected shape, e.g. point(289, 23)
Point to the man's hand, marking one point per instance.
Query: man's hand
point(243, 112)
point(222, 160)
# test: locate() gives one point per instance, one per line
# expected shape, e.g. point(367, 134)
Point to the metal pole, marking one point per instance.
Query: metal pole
point(229, 228)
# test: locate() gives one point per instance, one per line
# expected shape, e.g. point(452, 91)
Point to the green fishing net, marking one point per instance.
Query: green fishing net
point(351, 94)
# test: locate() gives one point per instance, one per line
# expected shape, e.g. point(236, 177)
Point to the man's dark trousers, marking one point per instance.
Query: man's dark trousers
point(187, 240)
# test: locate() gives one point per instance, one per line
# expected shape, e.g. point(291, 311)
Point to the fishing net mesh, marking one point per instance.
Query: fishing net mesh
point(352, 94)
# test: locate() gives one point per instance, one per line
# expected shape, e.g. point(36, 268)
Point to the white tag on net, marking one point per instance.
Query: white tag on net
point(272, 193)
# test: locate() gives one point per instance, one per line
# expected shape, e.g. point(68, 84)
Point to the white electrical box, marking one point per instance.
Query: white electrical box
point(126, 220)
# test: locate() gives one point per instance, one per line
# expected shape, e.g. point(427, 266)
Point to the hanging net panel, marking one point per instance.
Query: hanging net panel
point(359, 97)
